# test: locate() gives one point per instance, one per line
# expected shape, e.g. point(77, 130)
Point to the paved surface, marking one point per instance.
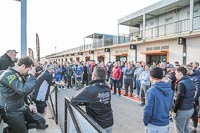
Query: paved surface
point(127, 113)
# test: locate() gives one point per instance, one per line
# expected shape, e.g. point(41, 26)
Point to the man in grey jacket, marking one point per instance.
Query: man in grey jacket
point(13, 91)
point(145, 83)
point(129, 73)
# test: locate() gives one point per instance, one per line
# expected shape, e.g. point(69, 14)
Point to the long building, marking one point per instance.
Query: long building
point(166, 31)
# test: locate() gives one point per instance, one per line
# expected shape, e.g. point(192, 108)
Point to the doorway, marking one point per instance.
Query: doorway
point(87, 58)
point(77, 59)
point(122, 58)
point(100, 59)
point(156, 58)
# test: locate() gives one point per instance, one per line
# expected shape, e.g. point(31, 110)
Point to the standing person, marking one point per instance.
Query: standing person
point(110, 67)
point(183, 107)
point(97, 99)
point(159, 102)
point(13, 91)
point(38, 69)
point(124, 76)
point(86, 73)
point(137, 73)
point(8, 59)
point(69, 73)
point(91, 67)
point(145, 83)
point(153, 65)
point(195, 77)
point(116, 75)
point(42, 89)
point(195, 66)
point(129, 73)
point(79, 75)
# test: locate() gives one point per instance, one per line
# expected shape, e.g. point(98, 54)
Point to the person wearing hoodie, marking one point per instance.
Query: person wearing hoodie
point(183, 106)
point(116, 75)
point(158, 103)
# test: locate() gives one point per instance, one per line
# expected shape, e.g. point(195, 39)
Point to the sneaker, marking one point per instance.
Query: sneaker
point(193, 131)
point(131, 95)
point(136, 96)
point(141, 104)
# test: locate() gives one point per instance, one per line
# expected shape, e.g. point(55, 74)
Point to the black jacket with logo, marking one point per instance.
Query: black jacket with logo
point(96, 97)
point(13, 89)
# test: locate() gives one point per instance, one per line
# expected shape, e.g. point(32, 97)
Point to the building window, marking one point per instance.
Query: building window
point(149, 49)
point(157, 48)
point(164, 47)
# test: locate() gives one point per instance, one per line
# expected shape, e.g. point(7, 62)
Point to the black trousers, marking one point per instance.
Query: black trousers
point(16, 120)
point(127, 83)
point(117, 85)
point(69, 80)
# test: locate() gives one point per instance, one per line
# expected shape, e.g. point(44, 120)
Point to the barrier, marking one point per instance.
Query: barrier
point(77, 121)
point(54, 108)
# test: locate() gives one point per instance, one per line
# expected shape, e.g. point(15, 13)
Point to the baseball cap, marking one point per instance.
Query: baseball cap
point(15, 51)
point(170, 66)
point(50, 66)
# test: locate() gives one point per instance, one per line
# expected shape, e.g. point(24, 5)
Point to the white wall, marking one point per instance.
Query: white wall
point(193, 50)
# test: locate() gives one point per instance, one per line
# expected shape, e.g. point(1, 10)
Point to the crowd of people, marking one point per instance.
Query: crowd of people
point(167, 91)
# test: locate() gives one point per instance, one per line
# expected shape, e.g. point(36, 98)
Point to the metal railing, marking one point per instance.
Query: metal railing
point(73, 122)
point(169, 29)
point(54, 107)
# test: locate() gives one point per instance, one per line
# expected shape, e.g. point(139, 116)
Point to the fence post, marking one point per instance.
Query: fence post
point(65, 120)
point(56, 102)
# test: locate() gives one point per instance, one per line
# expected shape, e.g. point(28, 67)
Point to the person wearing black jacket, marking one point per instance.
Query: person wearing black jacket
point(194, 75)
point(42, 89)
point(183, 107)
point(13, 90)
point(97, 99)
point(7, 60)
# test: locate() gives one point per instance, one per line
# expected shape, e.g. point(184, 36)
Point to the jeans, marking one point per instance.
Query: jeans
point(108, 130)
point(182, 120)
point(143, 91)
point(195, 116)
point(157, 129)
point(138, 87)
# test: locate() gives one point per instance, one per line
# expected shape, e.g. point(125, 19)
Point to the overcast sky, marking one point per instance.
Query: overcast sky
point(62, 23)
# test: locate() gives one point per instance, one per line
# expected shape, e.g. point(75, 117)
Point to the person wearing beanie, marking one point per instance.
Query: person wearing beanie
point(158, 103)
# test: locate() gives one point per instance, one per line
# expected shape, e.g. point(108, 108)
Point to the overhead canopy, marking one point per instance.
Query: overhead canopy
point(154, 10)
point(95, 35)
point(155, 52)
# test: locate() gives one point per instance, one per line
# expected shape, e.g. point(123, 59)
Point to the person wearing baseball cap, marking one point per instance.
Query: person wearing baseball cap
point(8, 59)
